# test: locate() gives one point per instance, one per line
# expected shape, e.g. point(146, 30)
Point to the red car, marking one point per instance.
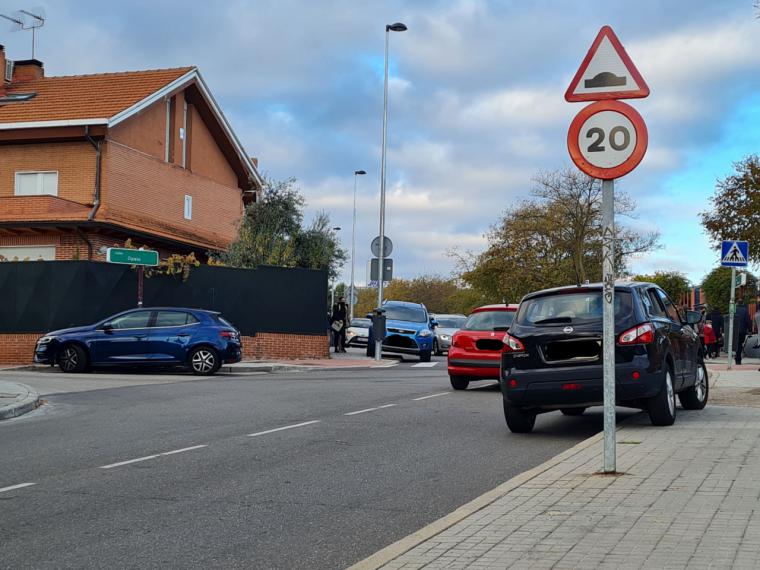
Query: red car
point(475, 352)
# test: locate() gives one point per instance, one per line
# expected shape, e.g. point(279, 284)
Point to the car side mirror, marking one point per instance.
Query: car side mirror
point(693, 317)
point(106, 327)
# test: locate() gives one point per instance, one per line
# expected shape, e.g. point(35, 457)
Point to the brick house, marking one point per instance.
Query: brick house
point(92, 160)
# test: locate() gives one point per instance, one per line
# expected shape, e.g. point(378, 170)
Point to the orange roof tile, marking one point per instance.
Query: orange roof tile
point(71, 97)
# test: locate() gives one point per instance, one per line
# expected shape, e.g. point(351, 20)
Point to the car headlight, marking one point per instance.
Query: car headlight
point(445, 337)
point(424, 332)
point(46, 339)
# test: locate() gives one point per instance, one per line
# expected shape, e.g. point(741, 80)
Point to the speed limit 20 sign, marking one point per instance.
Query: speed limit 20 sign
point(607, 139)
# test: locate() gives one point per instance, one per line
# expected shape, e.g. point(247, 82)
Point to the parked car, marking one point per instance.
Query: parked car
point(408, 330)
point(442, 333)
point(200, 340)
point(552, 357)
point(475, 352)
point(357, 332)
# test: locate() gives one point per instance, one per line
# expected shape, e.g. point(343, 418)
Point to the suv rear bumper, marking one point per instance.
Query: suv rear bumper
point(570, 386)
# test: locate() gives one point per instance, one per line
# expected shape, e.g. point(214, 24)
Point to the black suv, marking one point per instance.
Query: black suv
point(552, 357)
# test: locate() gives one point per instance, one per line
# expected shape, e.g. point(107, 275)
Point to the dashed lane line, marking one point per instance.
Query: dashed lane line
point(283, 428)
point(369, 410)
point(430, 396)
point(425, 365)
point(147, 457)
point(14, 487)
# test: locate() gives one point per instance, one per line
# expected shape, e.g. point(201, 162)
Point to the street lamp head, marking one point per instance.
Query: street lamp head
point(397, 27)
point(359, 172)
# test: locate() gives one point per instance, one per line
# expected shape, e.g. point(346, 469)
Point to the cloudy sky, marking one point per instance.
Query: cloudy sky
point(476, 101)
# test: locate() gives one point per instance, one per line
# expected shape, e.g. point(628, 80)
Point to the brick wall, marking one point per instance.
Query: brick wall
point(148, 193)
point(145, 132)
point(265, 346)
point(19, 348)
point(74, 161)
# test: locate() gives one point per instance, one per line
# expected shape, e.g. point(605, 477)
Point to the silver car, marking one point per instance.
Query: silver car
point(447, 326)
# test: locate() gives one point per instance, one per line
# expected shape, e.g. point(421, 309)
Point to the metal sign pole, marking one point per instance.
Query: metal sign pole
point(140, 277)
point(608, 320)
point(731, 311)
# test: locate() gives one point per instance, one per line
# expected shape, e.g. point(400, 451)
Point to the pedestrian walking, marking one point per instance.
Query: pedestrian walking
point(711, 341)
point(338, 323)
point(742, 325)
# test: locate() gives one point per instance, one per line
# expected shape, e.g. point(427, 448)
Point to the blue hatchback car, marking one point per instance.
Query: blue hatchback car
point(158, 336)
point(408, 330)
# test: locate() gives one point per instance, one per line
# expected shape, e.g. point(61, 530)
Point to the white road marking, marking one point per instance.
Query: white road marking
point(425, 365)
point(184, 449)
point(369, 410)
point(283, 428)
point(431, 396)
point(13, 487)
point(120, 463)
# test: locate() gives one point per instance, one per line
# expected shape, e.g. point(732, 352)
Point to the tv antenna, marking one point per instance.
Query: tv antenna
point(27, 20)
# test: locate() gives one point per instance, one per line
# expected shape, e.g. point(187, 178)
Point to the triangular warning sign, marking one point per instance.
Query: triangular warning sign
point(606, 73)
point(734, 255)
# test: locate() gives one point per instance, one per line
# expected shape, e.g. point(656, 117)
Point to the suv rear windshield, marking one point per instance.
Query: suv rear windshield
point(489, 321)
point(566, 308)
point(403, 313)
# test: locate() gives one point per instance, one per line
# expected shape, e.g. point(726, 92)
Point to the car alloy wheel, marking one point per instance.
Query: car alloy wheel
point(671, 394)
point(69, 359)
point(203, 361)
point(700, 387)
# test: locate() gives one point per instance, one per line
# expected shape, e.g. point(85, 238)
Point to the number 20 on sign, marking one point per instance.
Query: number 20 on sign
point(607, 139)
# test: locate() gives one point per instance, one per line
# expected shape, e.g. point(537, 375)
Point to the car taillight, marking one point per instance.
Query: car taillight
point(229, 335)
point(640, 334)
point(512, 344)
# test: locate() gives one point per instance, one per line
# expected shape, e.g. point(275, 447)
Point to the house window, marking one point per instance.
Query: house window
point(36, 183)
point(188, 207)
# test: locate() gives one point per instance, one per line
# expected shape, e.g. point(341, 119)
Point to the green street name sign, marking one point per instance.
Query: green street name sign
point(132, 256)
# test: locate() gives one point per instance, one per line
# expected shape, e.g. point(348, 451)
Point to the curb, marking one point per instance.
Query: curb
point(393, 551)
point(30, 402)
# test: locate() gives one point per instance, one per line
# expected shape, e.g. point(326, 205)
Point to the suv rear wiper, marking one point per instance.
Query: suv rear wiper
point(554, 320)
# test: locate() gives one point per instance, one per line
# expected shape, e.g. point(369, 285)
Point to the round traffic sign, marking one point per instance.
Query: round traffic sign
point(607, 139)
point(387, 246)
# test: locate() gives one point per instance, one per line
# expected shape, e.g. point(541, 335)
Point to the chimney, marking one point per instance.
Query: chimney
point(27, 70)
point(255, 161)
point(2, 70)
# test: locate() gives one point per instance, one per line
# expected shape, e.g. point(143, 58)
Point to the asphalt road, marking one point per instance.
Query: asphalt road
point(199, 473)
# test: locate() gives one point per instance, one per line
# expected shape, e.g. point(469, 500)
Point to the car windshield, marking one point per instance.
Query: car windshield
point(405, 313)
point(361, 323)
point(489, 321)
point(567, 308)
point(451, 322)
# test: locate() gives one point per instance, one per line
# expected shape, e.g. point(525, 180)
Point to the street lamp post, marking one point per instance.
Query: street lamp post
point(397, 27)
point(353, 250)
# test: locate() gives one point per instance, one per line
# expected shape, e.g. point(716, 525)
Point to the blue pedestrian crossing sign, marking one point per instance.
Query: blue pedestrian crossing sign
point(734, 253)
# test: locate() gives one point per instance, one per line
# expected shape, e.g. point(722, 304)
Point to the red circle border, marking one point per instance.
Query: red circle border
point(642, 140)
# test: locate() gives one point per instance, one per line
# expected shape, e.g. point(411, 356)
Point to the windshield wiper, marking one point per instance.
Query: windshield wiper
point(554, 320)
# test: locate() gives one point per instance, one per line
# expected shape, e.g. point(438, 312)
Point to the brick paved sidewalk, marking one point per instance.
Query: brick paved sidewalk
point(689, 498)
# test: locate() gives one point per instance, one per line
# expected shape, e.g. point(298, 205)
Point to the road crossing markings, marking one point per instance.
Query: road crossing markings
point(147, 457)
point(369, 410)
point(425, 365)
point(283, 428)
point(14, 487)
point(430, 396)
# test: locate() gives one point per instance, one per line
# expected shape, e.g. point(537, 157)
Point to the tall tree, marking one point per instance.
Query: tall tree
point(271, 233)
point(554, 238)
point(717, 288)
point(736, 205)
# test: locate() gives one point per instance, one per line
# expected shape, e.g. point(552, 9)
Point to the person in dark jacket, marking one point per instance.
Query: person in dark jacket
point(742, 326)
point(716, 318)
point(339, 315)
